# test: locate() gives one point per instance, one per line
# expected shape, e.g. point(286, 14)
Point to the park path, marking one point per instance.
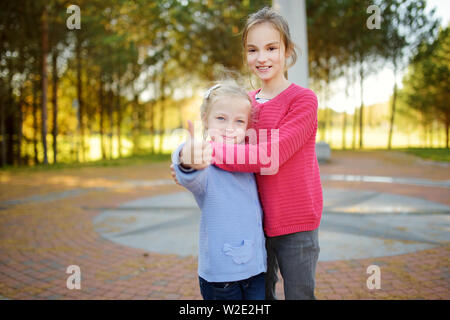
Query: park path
point(46, 224)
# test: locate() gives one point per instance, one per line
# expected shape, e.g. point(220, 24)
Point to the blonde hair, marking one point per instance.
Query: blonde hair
point(223, 89)
point(269, 15)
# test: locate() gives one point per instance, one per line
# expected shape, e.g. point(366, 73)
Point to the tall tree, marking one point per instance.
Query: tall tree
point(325, 53)
point(58, 35)
point(361, 46)
point(407, 24)
point(426, 83)
point(44, 80)
point(341, 41)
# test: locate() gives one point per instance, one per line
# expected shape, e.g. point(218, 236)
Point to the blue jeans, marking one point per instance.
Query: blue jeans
point(295, 255)
point(252, 288)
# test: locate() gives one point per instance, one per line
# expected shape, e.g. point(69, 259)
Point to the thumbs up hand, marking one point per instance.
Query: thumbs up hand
point(196, 153)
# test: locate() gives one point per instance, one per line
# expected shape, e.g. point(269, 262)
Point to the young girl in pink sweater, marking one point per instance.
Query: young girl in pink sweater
point(292, 197)
point(290, 190)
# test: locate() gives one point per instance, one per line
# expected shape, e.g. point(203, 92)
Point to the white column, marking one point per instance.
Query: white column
point(294, 11)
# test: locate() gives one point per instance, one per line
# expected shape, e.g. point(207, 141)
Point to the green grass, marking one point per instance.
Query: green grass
point(435, 154)
point(124, 161)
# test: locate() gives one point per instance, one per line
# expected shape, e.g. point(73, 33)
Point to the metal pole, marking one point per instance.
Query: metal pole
point(294, 11)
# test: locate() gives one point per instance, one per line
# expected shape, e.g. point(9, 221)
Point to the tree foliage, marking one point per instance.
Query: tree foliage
point(426, 88)
point(97, 74)
point(126, 73)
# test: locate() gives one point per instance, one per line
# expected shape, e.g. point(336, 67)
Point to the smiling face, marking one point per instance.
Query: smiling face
point(266, 52)
point(227, 120)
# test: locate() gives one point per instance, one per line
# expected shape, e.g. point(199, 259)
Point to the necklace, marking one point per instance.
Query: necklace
point(277, 91)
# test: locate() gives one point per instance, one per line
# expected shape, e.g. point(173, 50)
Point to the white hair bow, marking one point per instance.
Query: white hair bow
point(208, 92)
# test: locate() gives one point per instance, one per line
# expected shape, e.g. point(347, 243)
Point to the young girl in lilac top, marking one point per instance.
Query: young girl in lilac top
point(232, 257)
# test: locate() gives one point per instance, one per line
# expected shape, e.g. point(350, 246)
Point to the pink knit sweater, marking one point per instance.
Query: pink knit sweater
point(291, 198)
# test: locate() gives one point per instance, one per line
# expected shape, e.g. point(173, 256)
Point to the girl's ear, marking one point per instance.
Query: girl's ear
point(205, 129)
point(288, 52)
point(204, 123)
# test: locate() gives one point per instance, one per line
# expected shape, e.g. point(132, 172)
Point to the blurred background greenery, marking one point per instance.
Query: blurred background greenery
point(136, 70)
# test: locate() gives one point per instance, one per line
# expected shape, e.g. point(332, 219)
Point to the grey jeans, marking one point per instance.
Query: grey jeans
point(296, 256)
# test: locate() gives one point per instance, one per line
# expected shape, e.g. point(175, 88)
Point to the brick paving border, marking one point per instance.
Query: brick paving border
point(38, 241)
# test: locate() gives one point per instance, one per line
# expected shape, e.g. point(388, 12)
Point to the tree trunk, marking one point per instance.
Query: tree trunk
point(101, 103)
point(394, 104)
point(355, 119)
point(111, 120)
point(446, 132)
point(161, 125)
point(80, 112)
point(3, 132)
point(324, 125)
point(323, 122)
point(180, 116)
point(35, 122)
point(424, 129)
point(152, 128)
point(329, 124)
point(141, 124)
point(119, 116)
point(361, 109)
point(55, 105)
point(347, 96)
point(344, 128)
point(430, 135)
point(136, 142)
point(394, 100)
point(152, 116)
point(119, 126)
point(10, 124)
point(329, 111)
point(44, 82)
point(20, 126)
point(162, 118)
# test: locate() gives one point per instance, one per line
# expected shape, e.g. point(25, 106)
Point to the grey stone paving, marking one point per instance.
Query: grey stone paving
point(355, 224)
point(162, 182)
point(384, 179)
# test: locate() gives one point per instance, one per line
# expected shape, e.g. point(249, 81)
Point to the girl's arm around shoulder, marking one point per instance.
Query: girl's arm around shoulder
point(193, 180)
point(295, 129)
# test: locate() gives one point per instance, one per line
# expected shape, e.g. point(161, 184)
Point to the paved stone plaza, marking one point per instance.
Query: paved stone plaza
point(133, 232)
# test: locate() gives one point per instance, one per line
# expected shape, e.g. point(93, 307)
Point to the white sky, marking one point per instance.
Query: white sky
point(378, 87)
point(443, 9)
